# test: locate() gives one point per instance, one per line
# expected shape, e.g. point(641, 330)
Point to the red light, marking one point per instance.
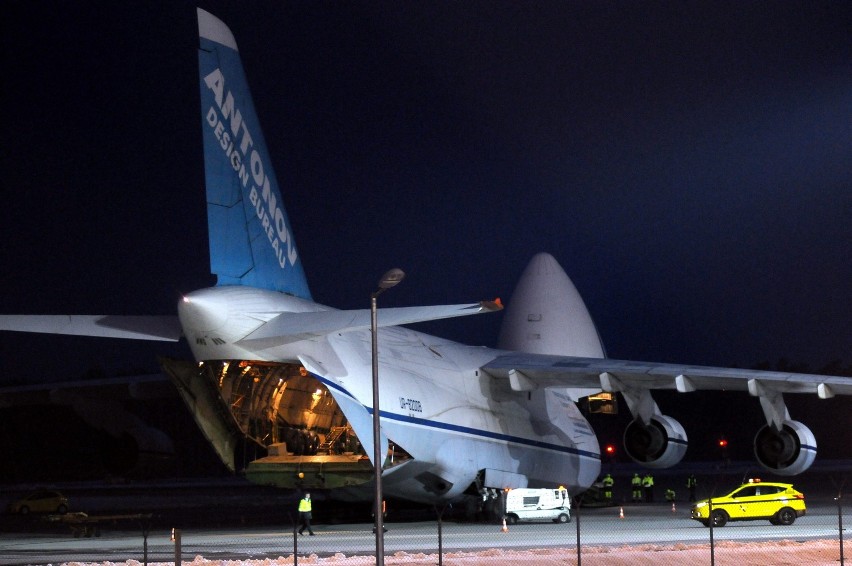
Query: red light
point(723, 443)
point(610, 449)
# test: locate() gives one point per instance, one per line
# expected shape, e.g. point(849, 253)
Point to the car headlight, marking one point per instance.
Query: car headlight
point(700, 504)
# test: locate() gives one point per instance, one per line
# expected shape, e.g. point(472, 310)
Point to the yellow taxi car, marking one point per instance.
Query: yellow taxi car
point(778, 503)
point(40, 501)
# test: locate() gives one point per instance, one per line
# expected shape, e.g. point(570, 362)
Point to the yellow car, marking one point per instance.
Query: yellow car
point(779, 503)
point(40, 501)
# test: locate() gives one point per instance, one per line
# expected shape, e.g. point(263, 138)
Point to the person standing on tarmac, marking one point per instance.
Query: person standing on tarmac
point(648, 484)
point(691, 484)
point(305, 514)
point(384, 516)
point(608, 482)
point(636, 484)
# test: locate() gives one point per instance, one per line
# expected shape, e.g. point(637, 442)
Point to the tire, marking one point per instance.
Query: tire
point(512, 519)
point(562, 518)
point(785, 516)
point(719, 518)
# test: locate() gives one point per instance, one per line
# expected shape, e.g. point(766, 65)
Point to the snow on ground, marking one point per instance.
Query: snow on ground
point(727, 553)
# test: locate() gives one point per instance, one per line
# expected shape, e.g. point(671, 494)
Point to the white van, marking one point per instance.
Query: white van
point(525, 504)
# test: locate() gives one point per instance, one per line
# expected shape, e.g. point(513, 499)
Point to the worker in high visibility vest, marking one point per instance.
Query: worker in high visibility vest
point(636, 484)
point(305, 514)
point(648, 485)
point(691, 484)
point(608, 482)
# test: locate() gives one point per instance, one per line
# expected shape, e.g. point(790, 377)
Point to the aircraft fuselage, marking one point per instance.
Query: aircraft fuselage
point(458, 425)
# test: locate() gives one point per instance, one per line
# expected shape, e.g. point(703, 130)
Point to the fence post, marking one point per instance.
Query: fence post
point(295, 541)
point(146, 528)
point(710, 523)
point(176, 540)
point(440, 514)
point(578, 502)
point(840, 522)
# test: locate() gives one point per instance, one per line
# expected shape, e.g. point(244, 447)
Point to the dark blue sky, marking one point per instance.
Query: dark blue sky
point(688, 164)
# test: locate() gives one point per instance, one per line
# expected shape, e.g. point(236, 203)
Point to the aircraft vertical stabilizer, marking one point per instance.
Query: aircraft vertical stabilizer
point(251, 242)
point(547, 315)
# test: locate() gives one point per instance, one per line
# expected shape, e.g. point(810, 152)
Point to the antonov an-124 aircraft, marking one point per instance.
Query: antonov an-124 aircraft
point(294, 377)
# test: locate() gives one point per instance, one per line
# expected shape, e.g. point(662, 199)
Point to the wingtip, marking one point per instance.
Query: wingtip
point(495, 305)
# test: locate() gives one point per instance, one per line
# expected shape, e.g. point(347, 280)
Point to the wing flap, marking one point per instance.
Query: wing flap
point(158, 328)
point(564, 371)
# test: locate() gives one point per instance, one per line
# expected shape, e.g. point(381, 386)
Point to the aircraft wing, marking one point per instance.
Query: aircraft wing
point(152, 386)
point(532, 371)
point(160, 328)
point(293, 327)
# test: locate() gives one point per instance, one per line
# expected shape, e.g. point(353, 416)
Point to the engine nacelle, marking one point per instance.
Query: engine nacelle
point(787, 452)
point(661, 444)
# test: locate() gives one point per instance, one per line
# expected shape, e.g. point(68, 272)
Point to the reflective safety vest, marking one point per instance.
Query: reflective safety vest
point(636, 481)
point(648, 481)
point(608, 481)
point(304, 506)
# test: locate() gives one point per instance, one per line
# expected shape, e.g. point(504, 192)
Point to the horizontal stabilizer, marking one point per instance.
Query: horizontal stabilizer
point(293, 327)
point(159, 328)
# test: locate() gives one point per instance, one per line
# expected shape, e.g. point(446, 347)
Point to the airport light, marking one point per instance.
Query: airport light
point(388, 280)
point(610, 452)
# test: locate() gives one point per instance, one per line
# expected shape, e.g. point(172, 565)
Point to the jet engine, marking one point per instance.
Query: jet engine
point(660, 444)
point(788, 451)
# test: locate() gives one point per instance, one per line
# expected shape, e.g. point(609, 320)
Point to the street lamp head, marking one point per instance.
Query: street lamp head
point(391, 278)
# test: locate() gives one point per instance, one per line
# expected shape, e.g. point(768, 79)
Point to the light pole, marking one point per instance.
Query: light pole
point(388, 280)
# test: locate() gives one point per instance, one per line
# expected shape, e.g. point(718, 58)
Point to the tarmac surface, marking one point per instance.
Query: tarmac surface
point(233, 520)
point(641, 524)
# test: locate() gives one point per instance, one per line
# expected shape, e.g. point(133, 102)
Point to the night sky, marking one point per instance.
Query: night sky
point(688, 164)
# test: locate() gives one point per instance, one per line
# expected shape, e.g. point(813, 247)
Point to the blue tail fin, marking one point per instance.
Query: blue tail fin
point(250, 238)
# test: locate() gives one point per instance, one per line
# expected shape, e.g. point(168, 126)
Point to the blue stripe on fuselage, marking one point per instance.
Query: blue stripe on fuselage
point(466, 430)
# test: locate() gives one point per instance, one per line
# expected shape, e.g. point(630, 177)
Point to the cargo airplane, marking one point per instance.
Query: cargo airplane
point(293, 378)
